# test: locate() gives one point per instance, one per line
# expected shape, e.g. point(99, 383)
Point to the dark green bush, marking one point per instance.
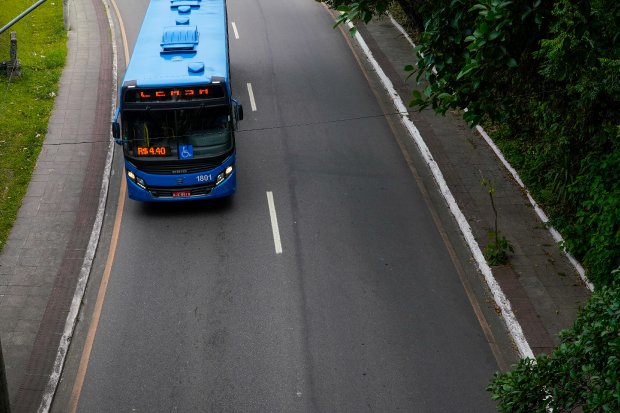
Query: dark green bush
point(583, 371)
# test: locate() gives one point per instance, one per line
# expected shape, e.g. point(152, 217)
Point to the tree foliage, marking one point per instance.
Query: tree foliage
point(583, 371)
point(364, 10)
point(545, 74)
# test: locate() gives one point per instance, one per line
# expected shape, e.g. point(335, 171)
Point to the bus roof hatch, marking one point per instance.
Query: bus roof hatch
point(179, 39)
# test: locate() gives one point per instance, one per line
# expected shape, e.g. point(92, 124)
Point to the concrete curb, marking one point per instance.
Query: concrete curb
point(500, 298)
point(539, 211)
point(93, 243)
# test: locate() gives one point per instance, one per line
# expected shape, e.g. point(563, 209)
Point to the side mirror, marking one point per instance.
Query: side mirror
point(116, 132)
point(238, 108)
point(116, 128)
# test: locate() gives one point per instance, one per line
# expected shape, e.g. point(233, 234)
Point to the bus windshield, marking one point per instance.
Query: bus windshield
point(161, 132)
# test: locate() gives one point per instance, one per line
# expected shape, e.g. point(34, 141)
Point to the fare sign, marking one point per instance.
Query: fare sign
point(152, 151)
point(173, 94)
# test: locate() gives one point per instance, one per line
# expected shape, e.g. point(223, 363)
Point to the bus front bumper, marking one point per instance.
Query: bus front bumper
point(157, 188)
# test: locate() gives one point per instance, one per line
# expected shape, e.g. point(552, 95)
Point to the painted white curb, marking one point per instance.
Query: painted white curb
point(50, 388)
point(498, 295)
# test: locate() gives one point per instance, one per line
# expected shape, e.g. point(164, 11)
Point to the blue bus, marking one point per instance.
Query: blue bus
point(176, 119)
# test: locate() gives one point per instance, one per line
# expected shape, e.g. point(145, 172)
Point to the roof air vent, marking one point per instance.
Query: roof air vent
point(196, 67)
point(184, 6)
point(179, 39)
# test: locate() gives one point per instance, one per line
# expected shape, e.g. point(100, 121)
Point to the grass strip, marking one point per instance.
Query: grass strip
point(26, 101)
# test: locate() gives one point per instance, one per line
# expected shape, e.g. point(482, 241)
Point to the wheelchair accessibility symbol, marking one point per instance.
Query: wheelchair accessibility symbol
point(186, 151)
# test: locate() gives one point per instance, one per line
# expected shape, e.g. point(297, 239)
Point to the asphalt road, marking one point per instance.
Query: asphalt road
point(362, 311)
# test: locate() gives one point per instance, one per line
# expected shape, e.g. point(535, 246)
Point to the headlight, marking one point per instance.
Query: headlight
point(223, 175)
point(139, 181)
point(220, 178)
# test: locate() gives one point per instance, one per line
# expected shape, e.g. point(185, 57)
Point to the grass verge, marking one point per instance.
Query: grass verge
point(26, 102)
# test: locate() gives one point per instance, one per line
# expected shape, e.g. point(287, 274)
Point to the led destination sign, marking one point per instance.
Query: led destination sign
point(173, 94)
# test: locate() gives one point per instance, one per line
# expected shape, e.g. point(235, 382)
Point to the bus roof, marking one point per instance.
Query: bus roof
point(181, 42)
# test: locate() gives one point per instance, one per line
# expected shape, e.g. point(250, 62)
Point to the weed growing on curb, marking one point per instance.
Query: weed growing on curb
point(497, 250)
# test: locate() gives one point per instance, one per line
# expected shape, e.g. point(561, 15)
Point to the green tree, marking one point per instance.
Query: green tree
point(545, 74)
point(580, 60)
point(583, 371)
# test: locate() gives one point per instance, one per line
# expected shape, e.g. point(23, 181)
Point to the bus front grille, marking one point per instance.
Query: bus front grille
point(178, 167)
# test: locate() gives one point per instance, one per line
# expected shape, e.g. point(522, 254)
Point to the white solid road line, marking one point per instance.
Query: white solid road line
point(234, 26)
point(274, 223)
point(252, 101)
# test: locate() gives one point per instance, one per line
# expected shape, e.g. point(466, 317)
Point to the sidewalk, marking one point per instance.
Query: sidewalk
point(41, 261)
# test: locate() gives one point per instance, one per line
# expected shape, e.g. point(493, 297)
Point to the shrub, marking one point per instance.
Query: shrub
point(582, 372)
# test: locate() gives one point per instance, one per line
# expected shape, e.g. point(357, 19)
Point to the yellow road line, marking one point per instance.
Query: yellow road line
point(122, 29)
point(94, 324)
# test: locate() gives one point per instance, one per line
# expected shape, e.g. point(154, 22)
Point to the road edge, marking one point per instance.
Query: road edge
point(93, 243)
point(500, 299)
